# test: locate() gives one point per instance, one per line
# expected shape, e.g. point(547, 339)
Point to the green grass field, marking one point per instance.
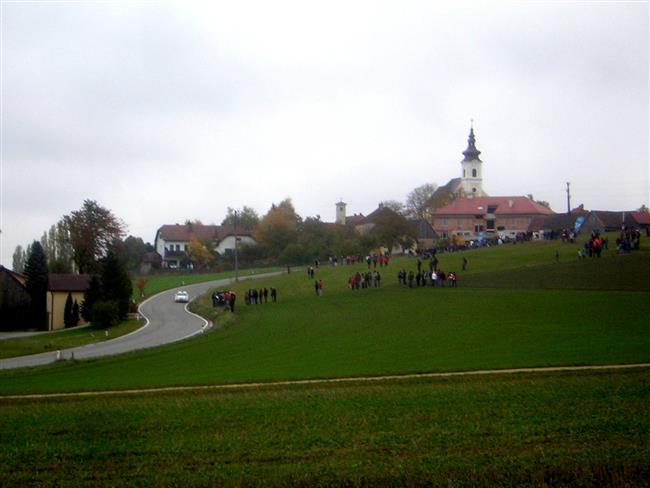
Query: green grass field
point(10, 348)
point(161, 282)
point(515, 307)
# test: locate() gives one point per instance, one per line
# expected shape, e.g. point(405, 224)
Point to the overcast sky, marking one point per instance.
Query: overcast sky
point(165, 111)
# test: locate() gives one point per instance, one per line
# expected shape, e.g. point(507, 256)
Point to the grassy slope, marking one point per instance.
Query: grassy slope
point(584, 429)
point(392, 329)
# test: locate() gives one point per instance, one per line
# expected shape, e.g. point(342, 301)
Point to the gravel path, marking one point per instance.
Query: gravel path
point(357, 379)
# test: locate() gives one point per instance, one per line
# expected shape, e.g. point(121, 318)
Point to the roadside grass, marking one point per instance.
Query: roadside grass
point(64, 339)
point(573, 429)
point(161, 282)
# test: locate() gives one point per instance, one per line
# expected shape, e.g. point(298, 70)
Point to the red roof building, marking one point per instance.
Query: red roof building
point(487, 217)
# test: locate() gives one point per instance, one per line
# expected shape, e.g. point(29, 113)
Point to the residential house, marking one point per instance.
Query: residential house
point(486, 217)
point(172, 241)
point(59, 286)
point(15, 313)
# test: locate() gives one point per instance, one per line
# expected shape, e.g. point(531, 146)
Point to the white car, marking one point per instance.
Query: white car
point(181, 297)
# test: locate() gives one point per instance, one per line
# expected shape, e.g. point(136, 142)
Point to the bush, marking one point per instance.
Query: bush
point(105, 313)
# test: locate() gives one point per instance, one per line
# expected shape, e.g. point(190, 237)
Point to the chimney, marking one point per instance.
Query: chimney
point(510, 203)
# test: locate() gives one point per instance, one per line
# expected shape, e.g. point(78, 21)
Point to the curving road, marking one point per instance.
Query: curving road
point(166, 322)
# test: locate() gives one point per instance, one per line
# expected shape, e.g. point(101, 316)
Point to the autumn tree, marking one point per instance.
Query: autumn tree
point(417, 200)
point(278, 227)
point(93, 232)
point(245, 218)
point(198, 254)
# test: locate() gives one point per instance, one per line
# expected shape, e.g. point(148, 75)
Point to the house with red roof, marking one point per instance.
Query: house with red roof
point(172, 241)
point(487, 217)
point(462, 209)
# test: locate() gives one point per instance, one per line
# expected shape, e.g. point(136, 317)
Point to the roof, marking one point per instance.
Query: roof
point(355, 219)
point(20, 278)
point(190, 232)
point(68, 282)
point(610, 220)
point(471, 153)
point(641, 218)
point(504, 206)
point(381, 212)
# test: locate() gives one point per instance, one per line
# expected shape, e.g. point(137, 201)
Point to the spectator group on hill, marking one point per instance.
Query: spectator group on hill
point(254, 296)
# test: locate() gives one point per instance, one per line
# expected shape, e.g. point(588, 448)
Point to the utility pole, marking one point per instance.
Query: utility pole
point(568, 197)
point(236, 239)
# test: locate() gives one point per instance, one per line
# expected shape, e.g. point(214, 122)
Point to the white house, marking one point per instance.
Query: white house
point(172, 241)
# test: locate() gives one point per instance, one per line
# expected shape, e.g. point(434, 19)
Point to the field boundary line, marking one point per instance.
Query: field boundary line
point(325, 381)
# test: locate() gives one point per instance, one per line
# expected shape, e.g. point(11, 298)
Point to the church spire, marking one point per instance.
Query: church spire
point(471, 153)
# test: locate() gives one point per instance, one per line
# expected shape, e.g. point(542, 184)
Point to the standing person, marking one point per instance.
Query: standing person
point(266, 295)
point(464, 263)
point(274, 295)
point(410, 278)
point(316, 287)
point(231, 301)
point(419, 266)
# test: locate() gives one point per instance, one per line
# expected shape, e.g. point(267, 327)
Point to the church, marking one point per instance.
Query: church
point(462, 211)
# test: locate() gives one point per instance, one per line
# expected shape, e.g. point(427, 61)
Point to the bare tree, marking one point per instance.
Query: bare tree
point(416, 201)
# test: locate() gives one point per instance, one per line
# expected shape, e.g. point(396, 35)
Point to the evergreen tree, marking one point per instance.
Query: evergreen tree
point(92, 295)
point(75, 314)
point(19, 258)
point(37, 277)
point(67, 312)
point(116, 284)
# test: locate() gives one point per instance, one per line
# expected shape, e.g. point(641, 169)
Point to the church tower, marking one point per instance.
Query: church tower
point(472, 179)
point(340, 212)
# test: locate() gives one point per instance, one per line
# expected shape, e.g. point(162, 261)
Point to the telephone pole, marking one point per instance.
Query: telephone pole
point(568, 197)
point(236, 239)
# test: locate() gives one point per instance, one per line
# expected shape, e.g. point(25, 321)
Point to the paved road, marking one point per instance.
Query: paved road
point(166, 322)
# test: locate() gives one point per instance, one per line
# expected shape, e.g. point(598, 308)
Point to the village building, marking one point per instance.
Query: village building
point(58, 288)
point(461, 210)
point(14, 301)
point(173, 241)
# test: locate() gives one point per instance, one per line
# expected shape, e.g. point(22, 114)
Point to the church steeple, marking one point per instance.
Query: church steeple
point(471, 153)
point(472, 179)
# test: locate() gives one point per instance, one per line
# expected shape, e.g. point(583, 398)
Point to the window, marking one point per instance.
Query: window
point(459, 222)
point(463, 173)
point(490, 224)
point(492, 209)
point(478, 228)
point(445, 221)
point(473, 190)
point(474, 173)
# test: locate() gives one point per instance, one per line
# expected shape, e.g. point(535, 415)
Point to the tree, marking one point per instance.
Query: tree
point(75, 314)
point(115, 284)
point(133, 249)
point(140, 285)
point(67, 312)
point(92, 295)
point(93, 232)
point(391, 228)
point(278, 227)
point(245, 218)
point(19, 258)
point(395, 206)
point(416, 201)
point(643, 209)
point(37, 278)
point(198, 254)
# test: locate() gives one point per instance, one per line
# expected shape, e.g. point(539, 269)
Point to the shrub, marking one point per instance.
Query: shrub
point(105, 313)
